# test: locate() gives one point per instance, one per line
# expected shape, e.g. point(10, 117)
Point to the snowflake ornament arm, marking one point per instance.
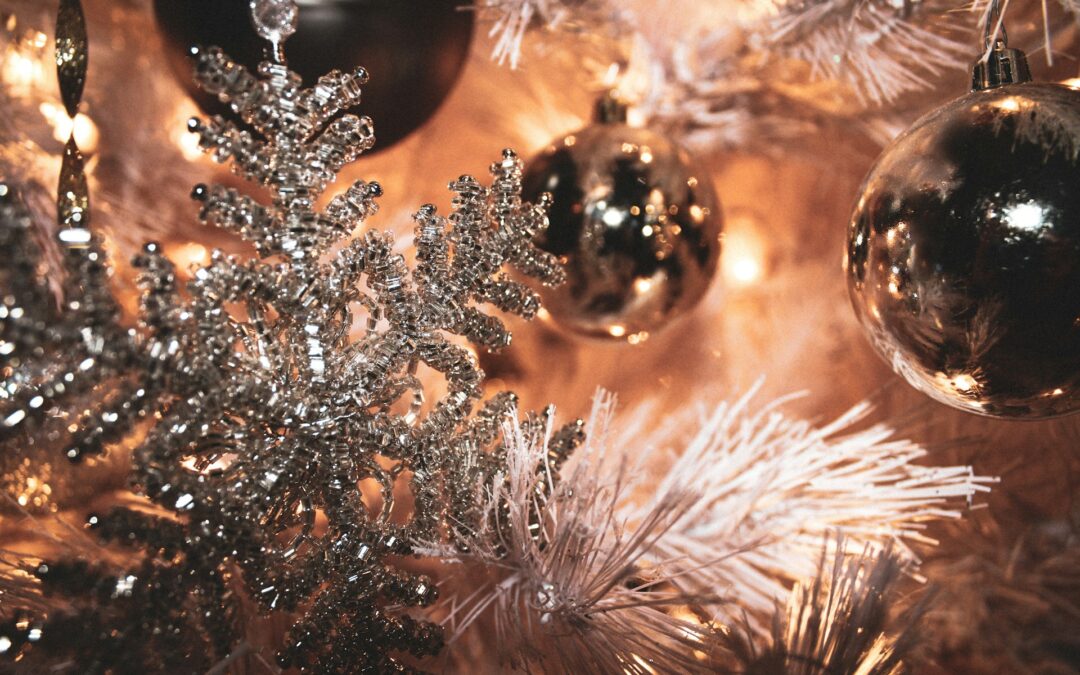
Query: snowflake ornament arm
point(270, 415)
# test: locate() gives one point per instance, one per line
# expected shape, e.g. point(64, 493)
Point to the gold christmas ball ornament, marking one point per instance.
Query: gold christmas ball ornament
point(963, 254)
point(636, 224)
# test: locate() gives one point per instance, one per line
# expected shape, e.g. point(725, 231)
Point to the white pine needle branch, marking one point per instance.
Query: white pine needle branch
point(510, 19)
point(599, 570)
point(772, 488)
point(562, 576)
point(881, 50)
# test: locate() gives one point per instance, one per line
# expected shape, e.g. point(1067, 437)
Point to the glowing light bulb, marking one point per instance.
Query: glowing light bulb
point(189, 255)
point(743, 258)
point(746, 271)
point(84, 129)
point(22, 73)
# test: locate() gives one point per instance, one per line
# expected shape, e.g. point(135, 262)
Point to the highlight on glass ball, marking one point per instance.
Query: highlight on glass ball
point(963, 257)
point(636, 225)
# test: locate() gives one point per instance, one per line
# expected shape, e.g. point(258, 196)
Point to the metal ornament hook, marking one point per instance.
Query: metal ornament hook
point(274, 21)
point(994, 27)
point(999, 65)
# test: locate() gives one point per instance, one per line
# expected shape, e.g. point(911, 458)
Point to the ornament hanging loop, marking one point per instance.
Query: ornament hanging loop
point(999, 64)
point(610, 109)
point(274, 21)
point(994, 34)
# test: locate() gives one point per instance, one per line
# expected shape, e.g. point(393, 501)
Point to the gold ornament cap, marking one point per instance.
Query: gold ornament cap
point(1000, 65)
point(610, 109)
point(1003, 65)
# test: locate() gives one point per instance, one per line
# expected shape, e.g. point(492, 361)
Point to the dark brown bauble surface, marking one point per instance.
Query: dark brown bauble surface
point(963, 257)
point(415, 50)
point(637, 224)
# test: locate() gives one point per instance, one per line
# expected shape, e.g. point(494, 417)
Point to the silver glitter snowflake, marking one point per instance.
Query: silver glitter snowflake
point(269, 416)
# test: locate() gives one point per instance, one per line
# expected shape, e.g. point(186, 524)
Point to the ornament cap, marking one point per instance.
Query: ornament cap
point(1003, 65)
point(610, 109)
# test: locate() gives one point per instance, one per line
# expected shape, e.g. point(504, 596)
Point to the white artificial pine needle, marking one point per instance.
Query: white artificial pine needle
point(726, 522)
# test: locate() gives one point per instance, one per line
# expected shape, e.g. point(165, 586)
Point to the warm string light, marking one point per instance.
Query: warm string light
point(26, 73)
point(23, 66)
point(187, 256)
point(82, 127)
point(21, 73)
point(743, 261)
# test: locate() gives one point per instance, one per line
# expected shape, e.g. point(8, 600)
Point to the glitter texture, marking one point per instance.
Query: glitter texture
point(269, 416)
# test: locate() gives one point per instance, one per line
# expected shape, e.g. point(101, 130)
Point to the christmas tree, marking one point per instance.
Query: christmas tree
point(322, 473)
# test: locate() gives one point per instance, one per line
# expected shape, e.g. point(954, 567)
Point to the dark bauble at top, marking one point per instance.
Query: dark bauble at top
point(963, 257)
point(414, 50)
